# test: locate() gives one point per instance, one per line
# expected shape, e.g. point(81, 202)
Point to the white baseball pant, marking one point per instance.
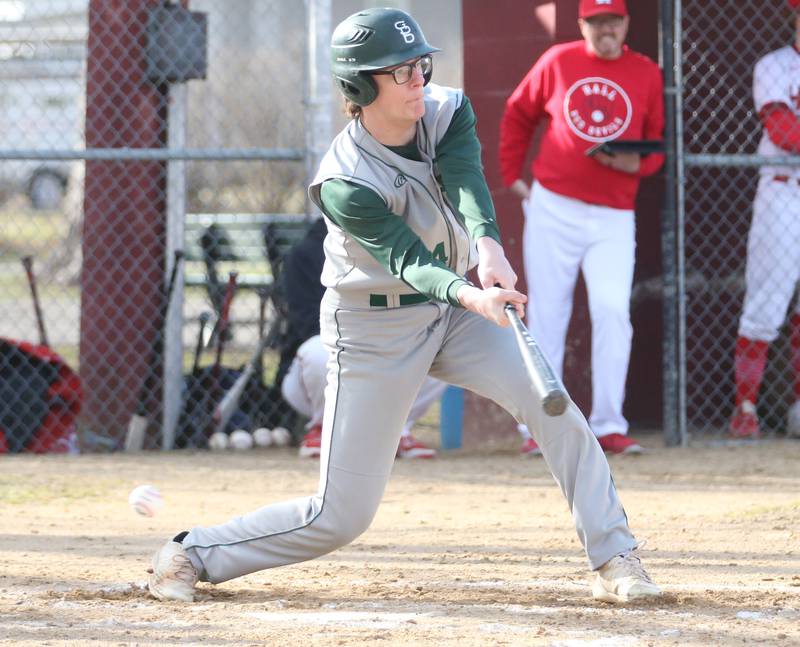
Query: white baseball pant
point(561, 236)
point(773, 259)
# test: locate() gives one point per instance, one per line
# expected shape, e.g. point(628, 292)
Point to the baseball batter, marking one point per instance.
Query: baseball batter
point(408, 213)
point(579, 212)
point(773, 252)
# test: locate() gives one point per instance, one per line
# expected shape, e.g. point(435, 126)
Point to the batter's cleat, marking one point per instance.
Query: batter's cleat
point(410, 447)
point(173, 576)
point(622, 579)
point(311, 447)
point(793, 421)
point(530, 448)
point(619, 444)
point(744, 423)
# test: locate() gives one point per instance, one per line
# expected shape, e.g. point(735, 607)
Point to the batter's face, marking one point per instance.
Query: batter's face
point(404, 103)
point(605, 34)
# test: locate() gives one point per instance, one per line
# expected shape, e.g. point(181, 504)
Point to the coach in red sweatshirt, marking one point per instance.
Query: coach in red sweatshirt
point(579, 209)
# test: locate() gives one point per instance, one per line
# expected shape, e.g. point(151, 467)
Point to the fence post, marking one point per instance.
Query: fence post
point(668, 225)
point(176, 215)
point(318, 86)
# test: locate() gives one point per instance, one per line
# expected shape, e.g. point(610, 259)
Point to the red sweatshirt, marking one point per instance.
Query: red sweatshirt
point(586, 100)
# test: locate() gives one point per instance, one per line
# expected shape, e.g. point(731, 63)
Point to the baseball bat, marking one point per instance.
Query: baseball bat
point(214, 386)
point(203, 320)
point(230, 401)
point(543, 379)
point(222, 323)
point(27, 263)
point(137, 426)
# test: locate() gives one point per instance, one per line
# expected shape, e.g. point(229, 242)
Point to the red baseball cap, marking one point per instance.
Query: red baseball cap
point(589, 8)
point(794, 4)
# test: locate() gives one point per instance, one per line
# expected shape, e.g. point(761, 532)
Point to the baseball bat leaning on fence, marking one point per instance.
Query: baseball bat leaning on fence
point(27, 263)
point(214, 389)
point(230, 401)
point(224, 318)
point(203, 320)
point(543, 379)
point(137, 426)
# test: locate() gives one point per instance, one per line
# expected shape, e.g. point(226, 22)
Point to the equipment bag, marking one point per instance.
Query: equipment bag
point(40, 399)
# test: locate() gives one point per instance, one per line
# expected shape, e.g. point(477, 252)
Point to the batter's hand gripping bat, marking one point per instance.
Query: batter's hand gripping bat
point(27, 263)
point(137, 426)
point(543, 379)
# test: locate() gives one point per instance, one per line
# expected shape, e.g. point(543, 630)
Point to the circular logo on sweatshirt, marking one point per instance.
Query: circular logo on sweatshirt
point(597, 109)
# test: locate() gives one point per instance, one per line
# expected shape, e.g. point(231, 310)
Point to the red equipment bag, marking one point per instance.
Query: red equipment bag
point(40, 399)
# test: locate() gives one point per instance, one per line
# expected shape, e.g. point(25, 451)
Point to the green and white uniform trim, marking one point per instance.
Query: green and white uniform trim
point(405, 219)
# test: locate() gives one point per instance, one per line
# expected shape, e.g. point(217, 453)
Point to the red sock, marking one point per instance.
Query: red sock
point(794, 345)
point(751, 358)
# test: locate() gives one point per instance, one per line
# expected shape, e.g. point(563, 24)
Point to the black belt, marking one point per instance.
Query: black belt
point(382, 300)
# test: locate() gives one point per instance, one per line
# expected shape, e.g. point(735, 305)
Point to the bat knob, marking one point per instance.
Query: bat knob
point(554, 405)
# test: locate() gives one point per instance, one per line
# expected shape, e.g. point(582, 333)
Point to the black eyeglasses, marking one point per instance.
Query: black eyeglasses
point(403, 73)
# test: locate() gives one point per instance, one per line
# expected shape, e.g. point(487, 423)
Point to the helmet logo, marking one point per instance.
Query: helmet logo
point(405, 31)
point(400, 180)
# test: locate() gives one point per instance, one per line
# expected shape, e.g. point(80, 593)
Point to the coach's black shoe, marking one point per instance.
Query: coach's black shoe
point(173, 576)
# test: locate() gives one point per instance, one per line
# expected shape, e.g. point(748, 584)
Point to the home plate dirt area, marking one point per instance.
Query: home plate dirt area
point(468, 549)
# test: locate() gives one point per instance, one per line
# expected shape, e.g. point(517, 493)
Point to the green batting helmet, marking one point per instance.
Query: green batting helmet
point(369, 40)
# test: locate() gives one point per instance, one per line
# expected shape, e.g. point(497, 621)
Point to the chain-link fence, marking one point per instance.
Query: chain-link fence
point(740, 213)
point(132, 130)
point(129, 131)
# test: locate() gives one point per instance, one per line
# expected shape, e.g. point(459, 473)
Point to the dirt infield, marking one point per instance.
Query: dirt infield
point(466, 550)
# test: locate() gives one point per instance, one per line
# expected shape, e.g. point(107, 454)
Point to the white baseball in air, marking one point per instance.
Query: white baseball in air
point(218, 441)
point(262, 437)
point(281, 436)
point(146, 500)
point(241, 440)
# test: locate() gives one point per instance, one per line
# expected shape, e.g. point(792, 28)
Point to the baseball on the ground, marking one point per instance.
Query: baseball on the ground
point(262, 437)
point(146, 500)
point(281, 436)
point(241, 439)
point(218, 441)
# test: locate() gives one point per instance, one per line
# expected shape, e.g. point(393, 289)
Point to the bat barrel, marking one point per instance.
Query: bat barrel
point(544, 381)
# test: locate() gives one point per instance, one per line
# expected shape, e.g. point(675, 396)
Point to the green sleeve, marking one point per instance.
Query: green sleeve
point(363, 214)
point(458, 157)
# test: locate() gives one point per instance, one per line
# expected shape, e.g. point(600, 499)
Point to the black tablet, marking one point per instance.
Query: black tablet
point(641, 146)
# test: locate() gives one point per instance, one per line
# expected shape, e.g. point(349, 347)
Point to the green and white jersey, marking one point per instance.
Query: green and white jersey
point(403, 220)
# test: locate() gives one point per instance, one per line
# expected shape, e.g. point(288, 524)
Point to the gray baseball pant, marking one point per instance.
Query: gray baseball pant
point(379, 358)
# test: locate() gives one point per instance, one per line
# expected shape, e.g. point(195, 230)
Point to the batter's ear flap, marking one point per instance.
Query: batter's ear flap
point(361, 89)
